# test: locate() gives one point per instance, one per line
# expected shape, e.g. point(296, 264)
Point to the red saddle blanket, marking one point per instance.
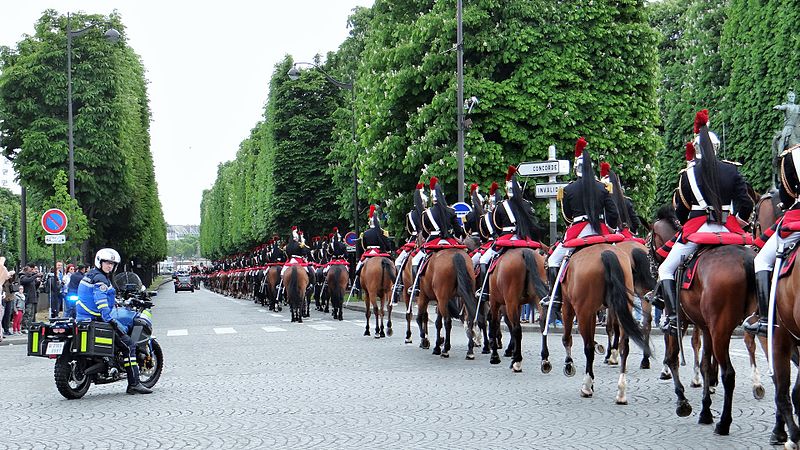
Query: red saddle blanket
point(721, 238)
point(788, 263)
point(594, 239)
point(338, 262)
point(296, 262)
point(441, 244)
point(505, 241)
point(373, 252)
point(630, 237)
point(408, 246)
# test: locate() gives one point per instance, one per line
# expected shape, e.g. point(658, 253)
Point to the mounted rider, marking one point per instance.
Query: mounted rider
point(706, 190)
point(336, 247)
point(785, 231)
point(628, 219)
point(373, 242)
point(415, 232)
point(587, 206)
point(514, 219)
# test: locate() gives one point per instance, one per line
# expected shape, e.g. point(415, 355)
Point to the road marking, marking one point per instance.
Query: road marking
point(272, 329)
point(322, 327)
point(276, 315)
point(177, 332)
point(285, 320)
point(262, 310)
point(224, 330)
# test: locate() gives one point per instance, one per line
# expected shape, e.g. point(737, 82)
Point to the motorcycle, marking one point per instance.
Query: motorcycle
point(85, 352)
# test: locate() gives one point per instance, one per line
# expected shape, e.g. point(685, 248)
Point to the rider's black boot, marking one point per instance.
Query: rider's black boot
point(483, 285)
point(134, 385)
point(552, 274)
point(670, 307)
point(763, 279)
point(655, 297)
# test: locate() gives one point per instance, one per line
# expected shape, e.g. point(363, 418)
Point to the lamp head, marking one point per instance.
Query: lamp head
point(112, 35)
point(293, 73)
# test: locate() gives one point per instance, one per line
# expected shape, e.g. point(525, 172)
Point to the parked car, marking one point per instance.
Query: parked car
point(183, 283)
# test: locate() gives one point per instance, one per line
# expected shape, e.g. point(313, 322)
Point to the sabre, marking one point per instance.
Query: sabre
point(414, 286)
point(553, 293)
point(677, 294)
point(352, 288)
point(483, 286)
point(771, 314)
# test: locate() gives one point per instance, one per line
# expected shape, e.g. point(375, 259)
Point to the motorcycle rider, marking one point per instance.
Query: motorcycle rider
point(96, 296)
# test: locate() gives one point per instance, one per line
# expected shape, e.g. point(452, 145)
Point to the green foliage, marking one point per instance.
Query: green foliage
point(77, 225)
point(114, 178)
point(9, 227)
point(186, 247)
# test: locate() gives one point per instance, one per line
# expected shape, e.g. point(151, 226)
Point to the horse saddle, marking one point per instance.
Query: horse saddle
point(442, 244)
point(788, 261)
point(506, 241)
point(690, 266)
point(721, 238)
point(338, 262)
point(593, 239)
point(373, 252)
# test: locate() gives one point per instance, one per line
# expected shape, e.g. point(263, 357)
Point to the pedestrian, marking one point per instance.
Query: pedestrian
point(526, 313)
point(72, 291)
point(19, 310)
point(5, 297)
point(53, 289)
point(30, 280)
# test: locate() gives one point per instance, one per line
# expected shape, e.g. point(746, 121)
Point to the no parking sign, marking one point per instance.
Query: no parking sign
point(54, 221)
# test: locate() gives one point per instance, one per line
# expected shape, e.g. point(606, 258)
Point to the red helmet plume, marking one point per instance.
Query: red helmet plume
point(579, 146)
point(493, 188)
point(690, 154)
point(700, 120)
point(371, 211)
point(434, 180)
point(473, 187)
point(511, 171)
point(605, 168)
point(420, 185)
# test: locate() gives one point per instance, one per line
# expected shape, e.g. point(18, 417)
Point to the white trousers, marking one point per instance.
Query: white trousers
point(417, 258)
point(666, 271)
point(476, 258)
point(560, 252)
point(487, 256)
point(765, 259)
point(401, 258)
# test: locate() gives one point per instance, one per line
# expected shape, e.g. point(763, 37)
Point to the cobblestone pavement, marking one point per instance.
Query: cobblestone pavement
point(239, 376)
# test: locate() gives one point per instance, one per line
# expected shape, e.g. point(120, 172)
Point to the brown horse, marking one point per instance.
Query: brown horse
point(377, 276)
point(295, 282)
point(516, 280)
point(336, 283)
point(448, 274)
point(766, 212)
point(721, 296)
point(271, 280)
point(598, 274)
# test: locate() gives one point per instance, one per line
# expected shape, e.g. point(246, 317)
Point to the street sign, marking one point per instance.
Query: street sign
point(548, 190)
point(462, 209)
point(55, 239)
point(54, 221)
point(350, 239)
point(543, 168)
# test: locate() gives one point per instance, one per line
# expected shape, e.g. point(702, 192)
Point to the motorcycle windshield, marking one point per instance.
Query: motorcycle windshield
point(127, 281)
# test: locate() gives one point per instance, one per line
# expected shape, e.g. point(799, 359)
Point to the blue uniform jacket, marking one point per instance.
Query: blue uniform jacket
point(95, 297)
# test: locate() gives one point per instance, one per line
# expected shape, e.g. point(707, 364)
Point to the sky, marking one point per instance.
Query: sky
point(208, 69)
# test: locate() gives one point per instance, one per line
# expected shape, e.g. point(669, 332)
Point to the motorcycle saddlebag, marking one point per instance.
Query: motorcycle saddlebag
point(94, 339)
point(41, 335)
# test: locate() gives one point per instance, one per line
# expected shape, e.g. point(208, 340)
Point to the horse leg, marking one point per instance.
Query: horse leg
point(683, 408)
point(422, 323)
point(484, 329)
point(389, 319)
point(516, 338)
point(378, 319)
point(437, 349)
point(494, 329)
point(706, 418)
point(647, 325)
point(622, 383)
point(728, 374)
point(510, 349)
point(586, 324)
point(784, 417)
point(666, 373)
point(470, 326)
point(409, 317)
point(755, 374)
point(367, 303)
point(696, 380)
point(448, 326)
point(568, 313)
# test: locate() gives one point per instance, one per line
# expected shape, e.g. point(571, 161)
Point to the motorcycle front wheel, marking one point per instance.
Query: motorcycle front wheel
point(150, 368)
point(71, 382)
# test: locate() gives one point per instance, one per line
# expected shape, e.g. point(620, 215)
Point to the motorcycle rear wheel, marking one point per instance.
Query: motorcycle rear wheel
point(68, 384)
point(150, 372)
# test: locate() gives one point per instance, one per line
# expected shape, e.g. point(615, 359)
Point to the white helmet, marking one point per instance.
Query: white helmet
point(106, 254)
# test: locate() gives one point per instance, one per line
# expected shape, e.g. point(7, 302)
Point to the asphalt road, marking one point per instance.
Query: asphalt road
point(239, 376)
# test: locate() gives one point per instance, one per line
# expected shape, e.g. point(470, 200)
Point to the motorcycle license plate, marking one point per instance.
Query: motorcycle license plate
point(54, 348)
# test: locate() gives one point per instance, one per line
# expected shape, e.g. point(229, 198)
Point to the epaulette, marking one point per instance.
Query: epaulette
point(609, 187)
point(737, 164)
point(560, 194)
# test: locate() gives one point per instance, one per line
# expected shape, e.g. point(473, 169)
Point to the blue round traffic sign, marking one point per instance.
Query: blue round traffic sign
point(461, 209)
point(350, 238)
point(54, 221)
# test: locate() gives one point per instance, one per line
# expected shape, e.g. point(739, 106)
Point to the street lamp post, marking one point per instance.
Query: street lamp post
point(294, 74)
point(460, 97)
point(112, 36)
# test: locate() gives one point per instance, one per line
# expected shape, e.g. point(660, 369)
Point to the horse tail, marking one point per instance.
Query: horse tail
point(750, 273)
point(387, 268)
point(642, 276)
point(293, 289)
point(618, 301)
point(464, 283)
point(336, 288)
point(532, 281)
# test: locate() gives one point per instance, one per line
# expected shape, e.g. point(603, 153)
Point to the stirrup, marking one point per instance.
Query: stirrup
point(654, 300)
point(670, 327)
point(545, 302)
point(758, 328)
point(409, 292)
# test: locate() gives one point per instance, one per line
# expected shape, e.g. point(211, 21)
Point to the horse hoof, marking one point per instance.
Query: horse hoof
point(437, 351)
point(377, 336)
point(470, 357)
point(508, 353)
point(722, 430)
point(495, 359)
point(516, 366)
point(665, 376)
point(383, 335)
point(778, 438)
point(683, 409)
point(599, 349)
point(569, 370)
point(712, 389)
point(758, 392)
point(426, 344)
point(408, 341)
point(705, 418)
point(586, 393)
point(327, 310)
point(389, 332)
point(697, 385)
point(366, 333)
point(645, 364)
point(790, 445)
point(621, 401)
point(300, 320)
point(546, 366)
point(445, 355)
point(485, 351)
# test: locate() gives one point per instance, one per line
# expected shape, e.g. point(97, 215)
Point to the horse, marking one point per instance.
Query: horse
point(720, 297)
point(377, 277)
point(295, 282)
point(448, 274)
point(336, 283)
point(598, 274)
point(272, 278)
point(515, 280)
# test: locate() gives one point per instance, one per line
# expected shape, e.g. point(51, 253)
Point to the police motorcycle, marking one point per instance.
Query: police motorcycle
point(85, 351)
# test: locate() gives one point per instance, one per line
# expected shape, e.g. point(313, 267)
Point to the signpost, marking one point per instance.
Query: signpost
point(461, 209)
point(55, 239)
point(54, 222)
point(551, 168)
